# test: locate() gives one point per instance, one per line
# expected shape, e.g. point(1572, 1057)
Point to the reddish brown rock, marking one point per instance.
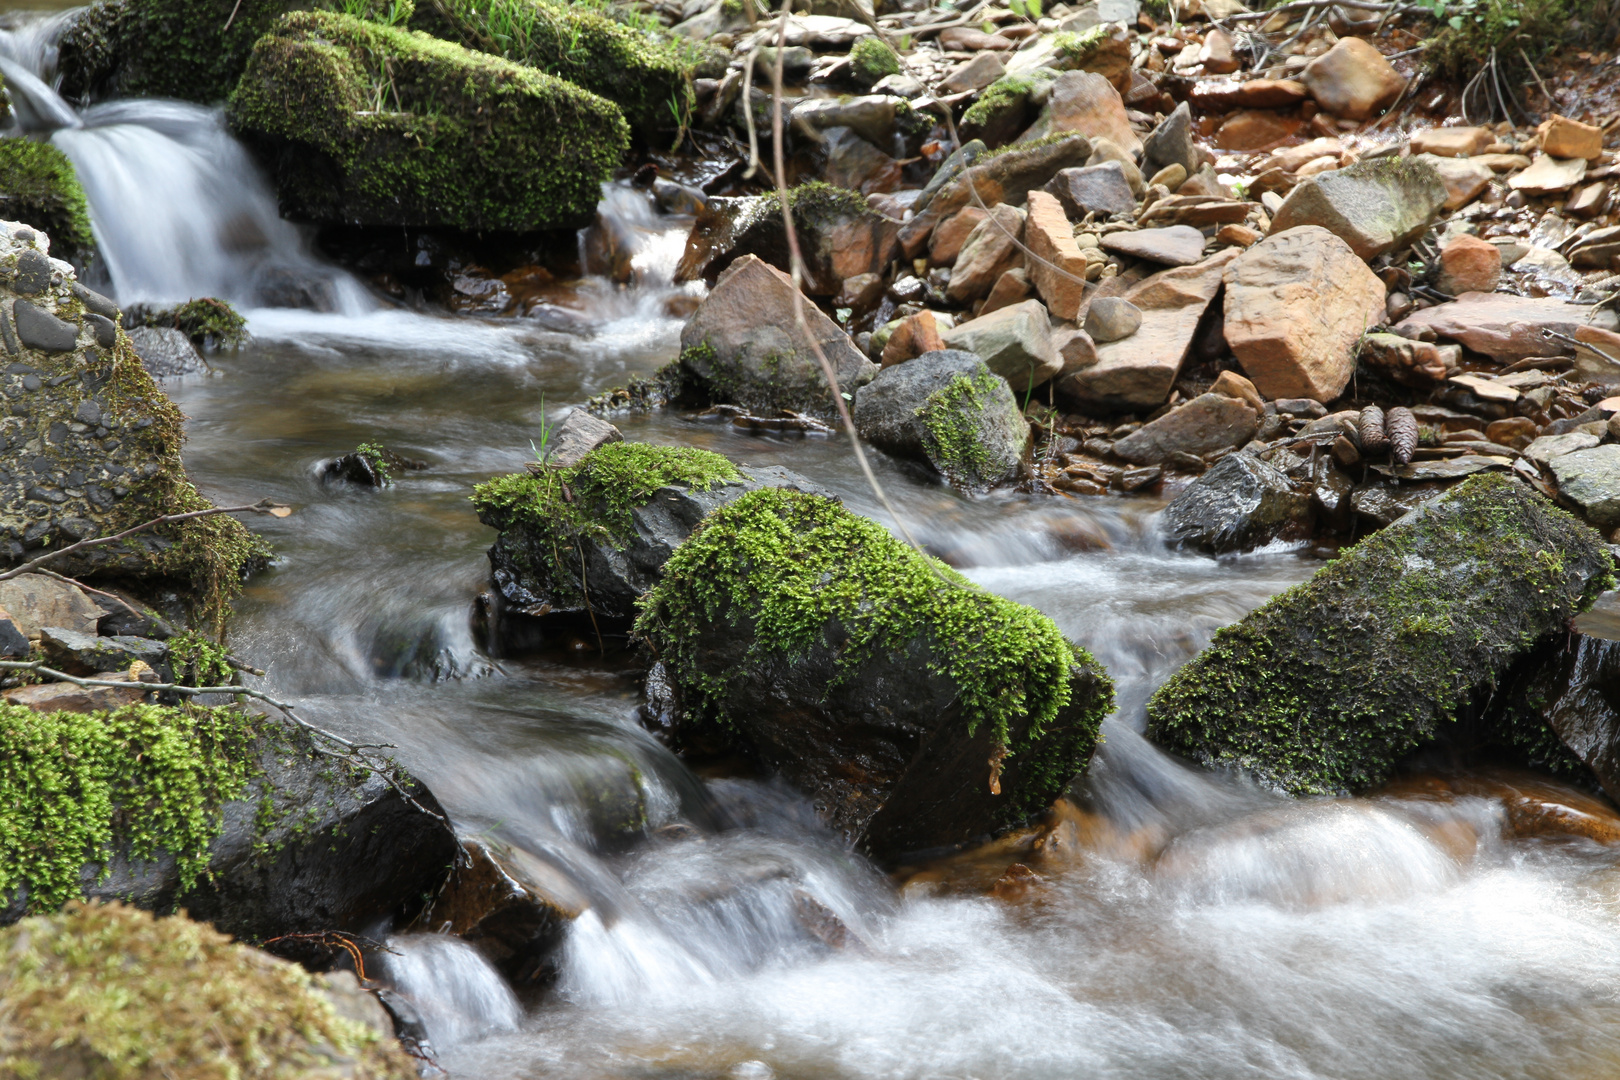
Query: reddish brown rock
point(1007, 177)
point(946, 243)
point(1452, 142)
point(1231, 384)
point(1291, 158)
point(914, 336)
point(1353, 80)
point(1562, 137)
point(1058, 271)
point(1226, 95)
point(1010, 288)
point(1255, 129)
point(1207, 423)
point(1216, 54)
point(1505, 327)
point(1421, 364)
point(1087, 103)
point(1469, 264)
point(991, 250)
point(1295, 305)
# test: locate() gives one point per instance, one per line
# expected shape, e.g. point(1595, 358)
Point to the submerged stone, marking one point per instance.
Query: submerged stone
point(1326, 687)
point(1241, 502)
point(918, 711)
point(459, 139)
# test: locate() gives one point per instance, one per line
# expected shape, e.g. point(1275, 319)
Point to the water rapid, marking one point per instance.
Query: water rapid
point(1176, 925)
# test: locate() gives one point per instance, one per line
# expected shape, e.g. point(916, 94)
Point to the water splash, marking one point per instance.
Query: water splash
point(458, 994)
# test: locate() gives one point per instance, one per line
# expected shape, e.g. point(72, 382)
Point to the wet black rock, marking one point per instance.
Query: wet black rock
point(38, 329)
point(1242, 502)
point(90, 654)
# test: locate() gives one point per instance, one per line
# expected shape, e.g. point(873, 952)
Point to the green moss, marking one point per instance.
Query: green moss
point(197, 661)
point(1328, 685)
point(951, 421)
point(1078, 48)
point(38, 187)
point(1033, 144)
point(374, 125)
point(78, 787)
point(110, 992)
point(800, 567)
point(1007, 92)
point(873, 60)
point(641, 67)
point(209, 322)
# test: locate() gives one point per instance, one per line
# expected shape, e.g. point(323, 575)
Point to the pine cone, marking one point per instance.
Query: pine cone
point(1370, 431)
point(1402, 428)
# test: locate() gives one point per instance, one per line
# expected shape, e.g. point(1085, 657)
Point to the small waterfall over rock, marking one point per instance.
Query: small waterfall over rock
point(459, 995)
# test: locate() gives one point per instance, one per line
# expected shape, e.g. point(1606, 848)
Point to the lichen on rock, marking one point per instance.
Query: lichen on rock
point(1326, 687)
point(393, 127)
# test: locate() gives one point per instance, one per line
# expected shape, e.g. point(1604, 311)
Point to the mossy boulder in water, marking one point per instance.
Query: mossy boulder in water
point(39, 188)
point(234, 817)
point(917, 710)
point(103, 990)
point(640, 68)
point(92, 446)
point(595, 536)
point(1326, 687)
point(368, 125)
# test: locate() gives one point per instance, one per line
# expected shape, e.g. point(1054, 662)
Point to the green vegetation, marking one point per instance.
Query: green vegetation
point(951, 419)
point(802, 572)
point(1328, 685)
point(873, 60)
point(1008, 93)
point(394, 127)
point(1465, 40)
point(378, 459)
point(210, 323)
point(113, 993)
point(38, 187)
point(197, 661)
point(78, 787)
point(634, 62)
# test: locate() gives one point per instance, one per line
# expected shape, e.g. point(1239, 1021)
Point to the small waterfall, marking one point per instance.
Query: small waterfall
point(459, 995)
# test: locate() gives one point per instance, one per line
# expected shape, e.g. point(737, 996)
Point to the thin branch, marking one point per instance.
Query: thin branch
point(263, 506)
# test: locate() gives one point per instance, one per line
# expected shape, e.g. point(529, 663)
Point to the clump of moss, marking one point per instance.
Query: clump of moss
point(39, 187)
point(951, 421)
point(210, 323)
point(872, 60)
point(640, 67)
point(1078, 48)
point(1327, 686)
point(107, 991)
point(794, 565)
point(80, 787)
point(198, 661)
point(1007, 95)
point(393, 127)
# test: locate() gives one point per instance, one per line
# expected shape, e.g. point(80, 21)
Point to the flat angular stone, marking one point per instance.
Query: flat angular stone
point(1590, 480)
point(1095, 189)
point(1549, 175)
point(1207, 423)
point(1015, 343)
point(35, 601)
point(1058, 271)
point(1174, 245)
point(1353, 80)
point(1374, 206)
point(1452, 142)
point(578, 435)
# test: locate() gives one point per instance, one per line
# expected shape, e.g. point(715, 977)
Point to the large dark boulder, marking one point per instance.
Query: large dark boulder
point(238, 819)
point(918, 711)
point(1325, 688)
point(1241, 502)
point(948, 409)
point(595, 536)
point(462, 140)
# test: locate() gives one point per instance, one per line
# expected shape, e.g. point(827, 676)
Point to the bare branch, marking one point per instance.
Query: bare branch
point(263, 506)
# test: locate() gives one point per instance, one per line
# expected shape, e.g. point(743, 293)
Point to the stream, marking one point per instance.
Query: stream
point(1192, 927)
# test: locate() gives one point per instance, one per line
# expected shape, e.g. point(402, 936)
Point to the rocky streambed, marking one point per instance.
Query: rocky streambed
point(1221, 673)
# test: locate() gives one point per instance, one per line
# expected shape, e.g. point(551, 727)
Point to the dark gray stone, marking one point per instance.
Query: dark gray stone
point(1112, 318)
point(1171, 143)
point(84, 654)
point(39, 329)
point(95, 302)
point(576, 436)
point(105, 329)
point(1241, 502)
point(165, 352)
point(1101, 189)
point(898, 412)
point(33, 272)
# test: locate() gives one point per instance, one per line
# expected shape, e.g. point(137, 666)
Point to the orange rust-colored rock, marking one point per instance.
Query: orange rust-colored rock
point(1058, 270)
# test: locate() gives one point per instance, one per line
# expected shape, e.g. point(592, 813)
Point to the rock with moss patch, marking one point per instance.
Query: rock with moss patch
point(743, 346)
point(241, 820)
point(594, 536)
point(1327, 687)
point(917, 710)
point(872, 60)
point(39, 188)
point(1001, 112)
point(636, 65)
point(92, 446)
point(394, 127)
point(106, 990)
point(1374, 206)
point(948, 409)
point(840, 236)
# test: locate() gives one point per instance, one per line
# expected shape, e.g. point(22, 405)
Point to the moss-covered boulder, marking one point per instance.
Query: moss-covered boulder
point(918, 711)
point(1326, 688)
point(237, 818)
point(39, 188)
point(594, 536)
point(103, 990)
point(643, 69)
point(364, 124)
point(92, 446)
point(948, 409)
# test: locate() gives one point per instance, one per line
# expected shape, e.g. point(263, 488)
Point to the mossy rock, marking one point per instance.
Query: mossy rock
point(1328, 686)
point(102, 446)
point(595, 536)
point(872, 60)
point(643, 69)
point(917, 710)
point(1000, 112)
point(189, 49)
point(39, 187)
point(104, 990)
point(370, 125)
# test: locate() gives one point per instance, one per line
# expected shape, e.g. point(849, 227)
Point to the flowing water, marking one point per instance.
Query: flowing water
point(1181, 925)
